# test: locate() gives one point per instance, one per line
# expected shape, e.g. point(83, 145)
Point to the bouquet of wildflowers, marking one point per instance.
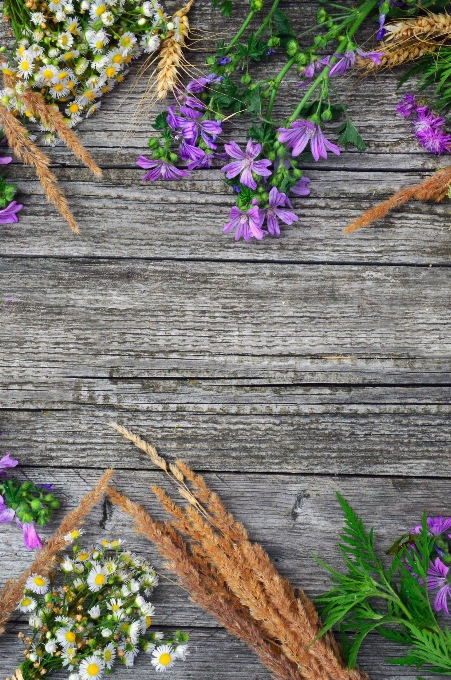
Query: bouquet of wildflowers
point(25, 503)
point(93, 613)
point(401, 601)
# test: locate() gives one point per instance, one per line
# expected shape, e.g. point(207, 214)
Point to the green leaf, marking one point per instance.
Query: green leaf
point(282, 24)
point(160, 122)
point(350, 135)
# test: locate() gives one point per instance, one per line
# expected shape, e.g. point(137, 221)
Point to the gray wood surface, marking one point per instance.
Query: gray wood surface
point(287, 370)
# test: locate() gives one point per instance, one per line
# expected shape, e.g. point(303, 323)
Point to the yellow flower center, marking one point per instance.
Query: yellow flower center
point(165, 659)
point(48, 73)
point(115, 544)
point(107, 655)
point(64, 40)
point(106, 88)
point(7, 72)
point(148, 621)
point(39, 581)
point(89, 94)
point(105, 543)
point(25, 66)
point(68, 55)
point(73, 108)
point(125, 42)
point(21, 50)
point(62, 75)
point(100, 10)
point(99, 580)
point(26, 602)
point(59, 87)
point(99, 44)
point(128, 59)
point(92, 670)
point(118, 59)
point(70, 636)
point(83, 556)
point(115, 607)
point(72, 29)
point(110, 71)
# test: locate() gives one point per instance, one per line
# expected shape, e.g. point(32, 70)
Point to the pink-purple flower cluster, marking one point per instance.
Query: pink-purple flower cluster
point(249, 223)
point(426, 125)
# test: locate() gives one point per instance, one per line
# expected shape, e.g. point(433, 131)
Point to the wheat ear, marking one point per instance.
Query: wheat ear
point(433, 189)
point(171, 55)
point(421, 28)
point(55, 121)
point(28, 152)
point(45, 558)
point(395, 55)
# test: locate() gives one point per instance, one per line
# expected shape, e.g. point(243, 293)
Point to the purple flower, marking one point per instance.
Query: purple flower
point(301, 133)
point(276, 211)
point(204, 162)
point(222, 61)
point(8, 462)
point(4, 160)
point(270, 52)
point(160, 169)
point(173, 120)
point(435, 141)
point(9, 214)
point(208, 129)
point(342, 65)
point(30, 536)
point(438, 578)
point(376, 57)
point(300, 188)
point(189, 152)
point(46, 486)
point(192, 108)
point(199, 85)
point(436, 525)
point(382, 31)
point(6, 514)
point(406, 106)
point(245, 163)
point(247, 224)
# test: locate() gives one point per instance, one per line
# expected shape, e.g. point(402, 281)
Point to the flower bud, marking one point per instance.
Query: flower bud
point(326, 115)
point(256, 5)
point(142, 21)
point(292, 48)
point(246, 79)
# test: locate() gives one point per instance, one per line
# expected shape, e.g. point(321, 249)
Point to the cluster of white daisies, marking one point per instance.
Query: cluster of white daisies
point(94, 613)
point(74, 52)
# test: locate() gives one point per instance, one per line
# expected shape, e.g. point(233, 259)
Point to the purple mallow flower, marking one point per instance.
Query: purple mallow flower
point(406, 106)
point(246, 163)
point(247, 224)
point(208, 129)
point(341, 66)
point(159, 169)
point(382, 31)
point(199, 85)
point(303, 132)
point(9, 214)
point(276, 211)
point(8, 462)
point(436, 526)
point(301, 188)
point(438, 578)
point(376, 57)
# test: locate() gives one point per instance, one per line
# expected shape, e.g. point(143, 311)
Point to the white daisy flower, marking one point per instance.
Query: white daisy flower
point(94, 612)
point(73, 676)
point(38, 584)
point(82, 556)
point(91, 668)
point(68, 654)
point(150, 43)
point(70, 55)
point(163, 657)
point(93, 109)
point(73, 120)
point(65, 40)
point(67, 564)
point(53, 53)
point(126, 41)
point(110, 70)
point(148, 647)
point(59, 91)
point(106, 632)
point(97, 9)
point(78, 582)
point(81, 66)
point(79, 567)
point(145, 622)
point(147, 609)
point(115, 605)
point(37, 18)
point(125, 591)
point(50, 646)
point(47, 74)
point(108, 655)
point(134, 630)
point(69, 8)
point(181, 652)
point(107, 18)
point(66, 637)
point(27, 604)
point(97, 40)
point(73, 26)
point(34, 621)
point(85, 5)
point(116, 56)
point(76, 533)
point(60, 15)
point(25, 65)
point(158, 635)
point(55, 5)
point(147, 9)
point(110, 565)
point(97, 576)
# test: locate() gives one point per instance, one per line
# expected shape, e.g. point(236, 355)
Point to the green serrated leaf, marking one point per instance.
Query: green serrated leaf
point(350, 135)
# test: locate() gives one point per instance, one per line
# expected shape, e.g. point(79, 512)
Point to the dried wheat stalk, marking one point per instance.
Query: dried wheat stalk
point(45, 558)
point(421, 28)
point(217, 540)
point(395, 55)
point(171, 55)
point(28, 152)
point(433, 189)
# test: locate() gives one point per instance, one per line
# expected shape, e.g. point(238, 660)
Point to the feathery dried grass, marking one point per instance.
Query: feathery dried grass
point(433, 189)
point(45, 558)
point(171, 55)
point(217, 542)
point(29, 153)
point(55, 121)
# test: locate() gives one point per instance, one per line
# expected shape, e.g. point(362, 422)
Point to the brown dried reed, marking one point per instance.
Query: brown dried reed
point(433, 189)
point(45, 558)
point(29, 153)
point(171, 55)
point(214, 543)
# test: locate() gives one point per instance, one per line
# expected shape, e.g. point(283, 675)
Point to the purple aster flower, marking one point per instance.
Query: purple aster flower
point(245, 163)
point(435, 141)
point(222, 61)
point(341, 66)
point(276, 211)
point(247, 224)
point(376, 57)
point(159, 169)
point(300, 188)
point(9, 214)
point(438, 578)
point(301, 133)
point(30, 536)
point(208, 129)
point(406, 106)
point(8, 462)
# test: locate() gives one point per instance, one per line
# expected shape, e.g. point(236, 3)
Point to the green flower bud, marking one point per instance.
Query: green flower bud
point(246, 79)
point(36, 504)
point(384, 8)
point(48, 498)
point(5, 100)
point(322, 16)
point(210, 61)
point(281, 152)
point(319, 41)
point(326, 115)
point(153, 143)
point(26, 486)
point(256, 5)
point(301, 59)
point(2, 49)
point(272, 155)
point(297, 173)
point(292, 48)
point(274, 41)
point(173, 157)
point(142, 21)
point(55, 504)
point(276, 145)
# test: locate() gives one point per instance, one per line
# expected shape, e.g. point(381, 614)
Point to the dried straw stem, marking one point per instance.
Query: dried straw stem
point(55, 121)
point(395, 55)
point(433, 189)
point(45, 558)
point(421, 28)
point(171, 55)
point(28, 152)
point(206, 589)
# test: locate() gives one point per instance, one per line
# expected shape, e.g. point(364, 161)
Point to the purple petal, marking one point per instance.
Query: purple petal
point(9, 214)
point(253, 149)
point(8, 462)
point(232, 169)
point(145, 163)
point(31, 537)
point(247, 179)
point(234, 151)
point(440, 602)
point(286, 216)
point(300, 188)
point(4, 160)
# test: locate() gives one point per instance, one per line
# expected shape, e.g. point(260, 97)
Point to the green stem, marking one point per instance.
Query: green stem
point(365, 9)
point(268, 18)
point(246, 23)
point(276, 85)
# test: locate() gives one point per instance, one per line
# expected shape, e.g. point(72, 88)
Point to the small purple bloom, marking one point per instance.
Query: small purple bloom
point(376, 57)
point(199, 85)
point(204, 162)
point(276, 211)
point(31, 537)
point(159, 169)
point(270, 52)
point(222, 61)
point(300, 188)
point(382, 31)
point(208, 129)
point(245, 163)
point(301, 133)
point(438, 578)
point(342, 65)
point(4, 160)
point(6, 514)
point(9, 214)
point(436, 526)
point(247, 224)
point(46, 486)
point(406, 106)
point(8, 462)
point(173, 120)
point(435, 141)
point(189, 152)
point(192, 108)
